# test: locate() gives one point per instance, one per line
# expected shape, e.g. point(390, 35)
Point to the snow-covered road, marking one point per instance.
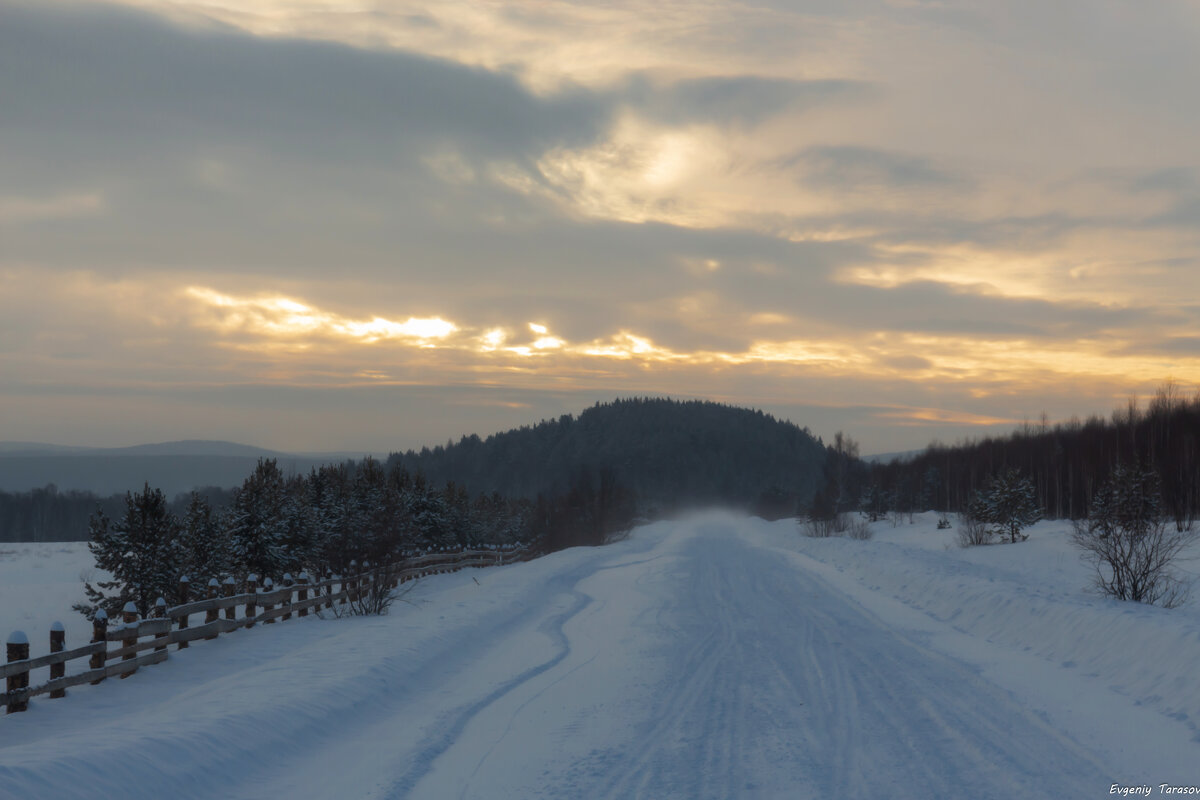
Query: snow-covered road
point(692, 661)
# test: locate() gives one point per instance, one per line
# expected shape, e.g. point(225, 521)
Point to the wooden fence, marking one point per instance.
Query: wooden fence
point(144, 641)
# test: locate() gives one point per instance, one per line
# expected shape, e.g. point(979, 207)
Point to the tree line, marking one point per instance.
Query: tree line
point(336, 517)
point(49, 514)
point(1066, 463)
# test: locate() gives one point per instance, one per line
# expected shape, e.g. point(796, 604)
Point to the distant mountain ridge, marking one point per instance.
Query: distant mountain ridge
point(670, 453)
point(182, 447)
point(187, 447)
point(174, 467)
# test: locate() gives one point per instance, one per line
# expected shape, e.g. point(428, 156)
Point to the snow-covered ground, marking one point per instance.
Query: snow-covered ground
point(710, 657)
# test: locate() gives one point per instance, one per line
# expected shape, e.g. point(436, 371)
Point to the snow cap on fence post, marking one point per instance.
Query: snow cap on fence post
point(268, 586)
point(129, 616)
point(18, 650)
point(287, 583)
point(302, 580)
point(99, 634)
point(160, 612)
point(229, 586)
point(251, 603)
point(58, 642)
point(212, 615)
point(184, 596)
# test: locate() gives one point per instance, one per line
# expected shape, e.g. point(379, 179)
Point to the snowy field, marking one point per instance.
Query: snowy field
point(711, 657)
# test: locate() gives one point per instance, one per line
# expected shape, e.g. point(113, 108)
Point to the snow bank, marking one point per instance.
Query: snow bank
point(1031, 597)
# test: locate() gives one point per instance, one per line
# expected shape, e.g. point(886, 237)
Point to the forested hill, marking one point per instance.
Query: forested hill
point(671, 454)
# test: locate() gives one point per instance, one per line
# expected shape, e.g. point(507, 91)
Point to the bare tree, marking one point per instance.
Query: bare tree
point(1130, 544)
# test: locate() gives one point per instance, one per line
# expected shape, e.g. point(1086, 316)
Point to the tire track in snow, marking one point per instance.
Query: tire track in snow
point(450, 730)
point(781, 686)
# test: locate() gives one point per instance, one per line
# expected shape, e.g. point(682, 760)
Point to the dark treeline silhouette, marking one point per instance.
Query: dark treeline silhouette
point(51, 515)
point(671, 454)
point(1066, 463)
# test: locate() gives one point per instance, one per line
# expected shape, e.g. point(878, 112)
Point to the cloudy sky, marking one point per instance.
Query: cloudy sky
point(372, 225)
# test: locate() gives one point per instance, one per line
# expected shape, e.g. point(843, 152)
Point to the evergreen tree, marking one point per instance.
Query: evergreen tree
point(300, 528)
point(257, 523)
point(141, 552)
point(875, 502)
point(430, 518)
point(1009, 505)
point(204, 546)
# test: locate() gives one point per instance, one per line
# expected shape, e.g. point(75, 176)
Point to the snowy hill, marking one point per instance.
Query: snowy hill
point(678, 454)
point(711, 657)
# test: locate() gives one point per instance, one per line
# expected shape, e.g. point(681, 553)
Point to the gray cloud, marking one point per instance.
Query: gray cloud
point(107, 81)
point(851, 168)
point(745, 99)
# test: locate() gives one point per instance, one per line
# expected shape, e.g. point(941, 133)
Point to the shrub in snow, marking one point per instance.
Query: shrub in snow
point(837, 525)
point(373, 594)
point(1129, 543)
point(972, 531)
point(822, 527)
point(859, 529)
point(1007, 505)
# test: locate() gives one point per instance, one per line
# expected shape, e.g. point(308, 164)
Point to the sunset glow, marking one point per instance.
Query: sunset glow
point(905, 220)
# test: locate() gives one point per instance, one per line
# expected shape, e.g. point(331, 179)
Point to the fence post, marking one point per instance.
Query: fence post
point(252, 603)
point(184, 597)
point(329, 577)
point(58, 642)
point(302, 580)
point(18, 650)
point(287, 584)
point(229, 586)
point(212, 615)
point(160, 612)
point(99, 634)
point(268, 587)
point(129, 616)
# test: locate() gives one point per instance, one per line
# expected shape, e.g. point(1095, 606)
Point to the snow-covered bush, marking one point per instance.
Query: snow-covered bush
point(1130, 544)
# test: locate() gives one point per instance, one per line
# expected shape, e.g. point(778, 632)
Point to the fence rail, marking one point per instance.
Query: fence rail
point(170, 625)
